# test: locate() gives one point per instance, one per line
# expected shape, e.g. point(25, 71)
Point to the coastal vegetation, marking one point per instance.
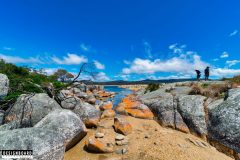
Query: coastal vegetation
point(23, 80)
point(209, 90)
point(152, 87)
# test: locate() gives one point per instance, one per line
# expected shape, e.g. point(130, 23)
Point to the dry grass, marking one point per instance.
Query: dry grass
point(211, 90)
point(196, 89)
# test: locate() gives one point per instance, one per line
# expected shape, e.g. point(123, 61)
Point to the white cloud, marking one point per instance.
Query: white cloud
point(99, 65)
point(177, 49)
point(101, 76)
point(235, 32)
point(232, 63)
point(70, 59)
point(85, 48)
point(126, 62)
point(215, 59)
point(50, 71)
point(224, 55)
point(175, 64)
point(224, 72)
point(124, 77)
point(16, 59)
point(175, 77)
point(172, 46)
point(183, 65)
point(8, 48)
point(148, 49)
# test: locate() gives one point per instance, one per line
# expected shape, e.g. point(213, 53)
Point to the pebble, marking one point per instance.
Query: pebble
point(147, 136)
point(119, 137)
point(99, 135)
point(121, 143)
point(121, 151)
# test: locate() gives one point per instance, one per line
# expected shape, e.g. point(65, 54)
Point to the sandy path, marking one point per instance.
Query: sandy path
point(162, 144)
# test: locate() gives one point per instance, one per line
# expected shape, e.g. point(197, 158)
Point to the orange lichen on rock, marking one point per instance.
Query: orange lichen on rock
point(105, 106)
point(138, 113)
point(130, 102)
point(121, 108)
point(89, 123)
point(104, 94)
point(97, 146)
point(108, 113)
point(131, 106)
point(121, 126)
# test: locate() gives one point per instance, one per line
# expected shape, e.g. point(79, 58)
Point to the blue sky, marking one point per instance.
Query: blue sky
point(125, 39)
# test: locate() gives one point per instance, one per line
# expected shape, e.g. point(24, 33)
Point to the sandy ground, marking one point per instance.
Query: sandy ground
point(160, 144)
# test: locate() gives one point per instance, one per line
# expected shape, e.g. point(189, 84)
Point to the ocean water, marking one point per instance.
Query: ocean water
point(120, 93)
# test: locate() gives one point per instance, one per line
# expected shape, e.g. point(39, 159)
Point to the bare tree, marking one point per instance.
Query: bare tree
point(85, 68)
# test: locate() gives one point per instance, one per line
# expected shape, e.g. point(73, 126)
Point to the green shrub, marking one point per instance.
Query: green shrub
point(204, 85)
point(58, 84)
point(152, 87)
point(236, 79)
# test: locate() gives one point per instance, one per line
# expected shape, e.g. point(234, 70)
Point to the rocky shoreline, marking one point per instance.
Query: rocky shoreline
point(84, 123)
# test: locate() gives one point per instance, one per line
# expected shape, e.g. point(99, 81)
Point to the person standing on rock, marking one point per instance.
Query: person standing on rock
point(206, 71)
point(198, 75)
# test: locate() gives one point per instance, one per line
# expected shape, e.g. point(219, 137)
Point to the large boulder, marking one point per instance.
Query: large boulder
point(81, 86)
point(162, 105)
point(9, 126)
point(141, 111)
point(81, 94)
point(183, 90)
point(67, 123)
point(91, 99)
point(224, 121)
point(232, 93)
point(4, 85)
point(180, 125)
point(106, 105)
point(153, 95)
point(30, 109)
point(88, 113)
point(191, 108)
point(46, 144)
point(69, 103)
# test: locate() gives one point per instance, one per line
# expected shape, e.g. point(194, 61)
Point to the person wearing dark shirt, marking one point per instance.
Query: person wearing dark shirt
point(206, 71)
point(198, 74)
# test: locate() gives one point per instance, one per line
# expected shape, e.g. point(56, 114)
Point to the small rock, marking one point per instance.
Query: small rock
point(155, 143)
point(147, 136)
point(125, 142)
point(119, 137)
point(99, 135)
point(121, 126)
point(182, 145)
point(97, 146)
point(124, 150)
point(121, 143)
point(155, 129)
point(121, 151)
point(108, 113)
point(106, 105)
